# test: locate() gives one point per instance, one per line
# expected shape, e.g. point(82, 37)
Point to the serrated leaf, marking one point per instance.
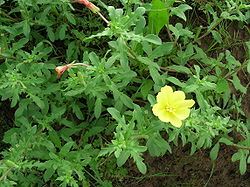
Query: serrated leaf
point(70, 18)
point(154, 73)
point(38, 101)
point(20, 44)
point(157, 146)
point(55, 138)
point(222, 86)
point(180, 11)
point(77, 111)
point(200, 100)
point(141, 166)
point(146, 87)
point(48, 174)
point(237, 84)
point(176, 81)
point(127, 101)
point(217, 36)
point(123, 157)
point(26, 28)
point(98, 107)
point(164, 49)
point(66, 148)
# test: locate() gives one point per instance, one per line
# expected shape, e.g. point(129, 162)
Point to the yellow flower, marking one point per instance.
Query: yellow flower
point(171, 106)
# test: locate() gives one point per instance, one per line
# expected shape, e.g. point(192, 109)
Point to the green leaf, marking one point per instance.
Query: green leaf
point(127, 101)
point(55, 138)
point(201, 141)
point(243, 164)
point(236, 156)
point(154, 73)
point(179, 11)
point(248, 160)
point(48, 174)
point(157, 146)
point(98, 107)
point(71, 50)
point(237, 84)
point(77, 111)
point(38, 101)
point(152, 39)
point(66, 148)
point(26, 28)
point(164, 49)
point(226, 141)
point(248, 66)
point(193, 148)
point(114, 113)
point(123, 157)
point(214, 151)
point(151, 99)
point(20, 44)
point(222, 86)
point(146, 87)
point(176, 81)
point(62, 31)
point(141, 166)
point(70, 18)
point(158, 17)
point(200, 99)
point(217, 36)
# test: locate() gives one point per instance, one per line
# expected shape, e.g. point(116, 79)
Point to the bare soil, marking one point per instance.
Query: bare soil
point(182, 169)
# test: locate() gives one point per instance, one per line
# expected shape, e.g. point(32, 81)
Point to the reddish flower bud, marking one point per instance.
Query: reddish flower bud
point(60, 70)
point(90, 5)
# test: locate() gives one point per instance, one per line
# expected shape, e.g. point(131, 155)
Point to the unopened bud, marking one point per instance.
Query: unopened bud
point(90, 5)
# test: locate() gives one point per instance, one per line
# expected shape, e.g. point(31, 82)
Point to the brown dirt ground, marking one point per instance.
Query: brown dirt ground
point(182, 169)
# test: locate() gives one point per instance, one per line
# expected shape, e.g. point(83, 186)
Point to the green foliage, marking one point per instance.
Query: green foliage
point(102, 104)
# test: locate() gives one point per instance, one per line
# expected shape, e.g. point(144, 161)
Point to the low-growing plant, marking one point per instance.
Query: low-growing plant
point(90, 85)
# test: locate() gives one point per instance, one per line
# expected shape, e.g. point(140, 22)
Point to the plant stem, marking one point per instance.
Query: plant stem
point(104, 19)
point(5, 174)
point(236, 71)
point(241, 147)
point(209, 30)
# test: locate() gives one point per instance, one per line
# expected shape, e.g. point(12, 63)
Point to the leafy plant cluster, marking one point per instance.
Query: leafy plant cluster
point(66, 130)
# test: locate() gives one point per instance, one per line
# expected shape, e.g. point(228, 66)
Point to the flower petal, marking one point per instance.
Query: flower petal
point(157, 108)
point(176, 97)
point(185, 103)
point(164, 116)
point(167, 90)
point(175, 121)
point(182, 113)
point(162, 97)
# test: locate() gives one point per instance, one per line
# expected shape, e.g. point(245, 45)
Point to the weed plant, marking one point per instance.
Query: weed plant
point(79, 124)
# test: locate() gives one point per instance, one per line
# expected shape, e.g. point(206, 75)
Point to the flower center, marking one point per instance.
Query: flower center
point(170, 109)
